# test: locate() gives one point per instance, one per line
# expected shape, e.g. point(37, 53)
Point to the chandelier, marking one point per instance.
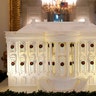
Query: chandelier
point(57, 5)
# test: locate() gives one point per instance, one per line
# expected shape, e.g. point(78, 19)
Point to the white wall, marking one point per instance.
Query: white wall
point(4, 26)
point(86, 8)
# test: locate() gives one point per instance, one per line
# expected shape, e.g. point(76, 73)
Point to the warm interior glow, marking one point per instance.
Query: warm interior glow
point(33, 19)
point(51, 5)
point(29, 21)
point(71, 2)
point(57, 2)
point(81, 20)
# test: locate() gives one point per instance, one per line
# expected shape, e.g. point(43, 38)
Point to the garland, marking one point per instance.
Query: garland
point(3, 75)
point(42, 93)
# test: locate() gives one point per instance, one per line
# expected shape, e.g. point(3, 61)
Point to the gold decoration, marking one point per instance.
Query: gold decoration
point(21, 46)
point(48, 63)
point(92, 62)
point(31, 46)
point(62, 45)
point(82, 45)
point(53, 63)
point(14, 7)
point(12, 63)
point(40, 63)
point(40, 46)
point(12, 46)
point(22, 63)
point(91, 45)
point(83, 62)
point(31, 63)
point(62, 63)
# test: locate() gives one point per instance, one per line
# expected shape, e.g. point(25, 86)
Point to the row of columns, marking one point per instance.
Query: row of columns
point(50, 59)
point(52, 56)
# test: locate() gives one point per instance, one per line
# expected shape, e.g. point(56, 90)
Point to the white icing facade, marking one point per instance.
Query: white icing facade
point(47, 49)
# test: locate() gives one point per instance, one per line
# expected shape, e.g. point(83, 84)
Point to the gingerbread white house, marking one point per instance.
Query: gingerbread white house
point(48, 49)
